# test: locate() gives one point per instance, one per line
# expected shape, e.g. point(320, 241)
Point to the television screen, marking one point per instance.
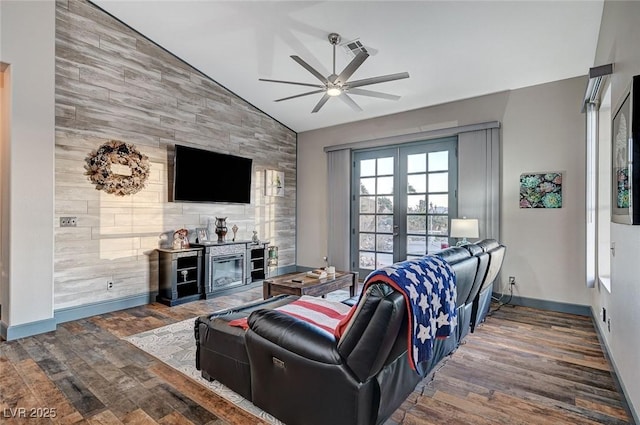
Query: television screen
point(205, 176)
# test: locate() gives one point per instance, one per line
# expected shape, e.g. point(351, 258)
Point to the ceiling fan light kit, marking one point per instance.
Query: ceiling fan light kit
point(338, 85)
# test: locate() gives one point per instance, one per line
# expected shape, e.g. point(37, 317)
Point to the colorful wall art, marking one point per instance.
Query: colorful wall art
point(541, 190)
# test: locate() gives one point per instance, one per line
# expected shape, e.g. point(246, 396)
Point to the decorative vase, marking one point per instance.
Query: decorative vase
point(255, 238)
point(221, 228)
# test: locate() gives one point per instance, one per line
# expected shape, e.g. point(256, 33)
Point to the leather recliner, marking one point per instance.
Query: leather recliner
point(303, 375)
point(482, 301)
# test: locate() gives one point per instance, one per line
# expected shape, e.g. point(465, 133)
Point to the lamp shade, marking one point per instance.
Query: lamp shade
point(464, 228)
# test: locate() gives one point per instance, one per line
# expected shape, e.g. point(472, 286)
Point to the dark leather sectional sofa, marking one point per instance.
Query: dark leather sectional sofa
point(303, 375)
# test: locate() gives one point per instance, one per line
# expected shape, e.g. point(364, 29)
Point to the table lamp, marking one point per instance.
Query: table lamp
point(464, 228)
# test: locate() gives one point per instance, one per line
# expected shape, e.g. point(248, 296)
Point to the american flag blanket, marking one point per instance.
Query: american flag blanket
point(317, 311)
point(429, 288)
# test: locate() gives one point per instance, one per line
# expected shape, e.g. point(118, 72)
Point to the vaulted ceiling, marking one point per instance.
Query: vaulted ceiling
point(452, 49)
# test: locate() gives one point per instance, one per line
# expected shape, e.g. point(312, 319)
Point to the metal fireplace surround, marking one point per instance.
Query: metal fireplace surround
point(226, 265)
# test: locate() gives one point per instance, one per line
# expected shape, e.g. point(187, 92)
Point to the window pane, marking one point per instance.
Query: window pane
point(385, 166)
point(416, 245)
point(368, 168)
point(368, 186)
point(366, 223)
point(384, 223)
point(437, 244)
point(417, 224)
point(438, 161)
point(367, 204)
point(438, 182)
point(384, 243)
point(367, 241)
point(385, 185)
point(385, 204)
point(384, 260)
point(417, 163)
point(417, 183)
point(416, 203)
point(367, 260)
point(439, 225)
point(438, 204)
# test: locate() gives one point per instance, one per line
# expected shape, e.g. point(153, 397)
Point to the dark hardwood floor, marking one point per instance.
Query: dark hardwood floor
point(522, 366)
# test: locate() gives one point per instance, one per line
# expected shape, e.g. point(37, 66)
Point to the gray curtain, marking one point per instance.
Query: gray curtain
point(479, 179)
point(339, 187)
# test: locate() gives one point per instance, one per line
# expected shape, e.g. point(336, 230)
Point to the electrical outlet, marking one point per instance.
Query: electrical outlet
point(109, 285)
point(512, 280)
point(68, 221)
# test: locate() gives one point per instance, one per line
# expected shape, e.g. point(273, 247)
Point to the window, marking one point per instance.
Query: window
point(403, 200)
point(599, 189)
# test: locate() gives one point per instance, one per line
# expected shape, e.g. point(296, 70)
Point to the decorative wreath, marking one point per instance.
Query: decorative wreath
point(116, 152)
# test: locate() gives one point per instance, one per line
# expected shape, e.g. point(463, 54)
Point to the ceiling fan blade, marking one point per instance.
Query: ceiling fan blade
point(351, 68)
point(345, 97)
point(371, 93)
point(290, 82)
point(320, 104)
point(376, 80)
point(310, 69)
point(300, 95)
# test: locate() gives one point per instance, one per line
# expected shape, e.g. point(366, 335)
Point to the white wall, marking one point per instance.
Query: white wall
point(543, 130)
point(618, 44)
point(545, 121)
point(27, 45)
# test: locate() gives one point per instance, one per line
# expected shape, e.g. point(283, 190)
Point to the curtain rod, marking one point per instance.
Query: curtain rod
point(413, 137)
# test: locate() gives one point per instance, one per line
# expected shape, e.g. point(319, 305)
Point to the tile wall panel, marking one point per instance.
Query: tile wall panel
point(113, 83)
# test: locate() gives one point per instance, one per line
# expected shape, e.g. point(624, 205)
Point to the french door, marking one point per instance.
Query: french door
point(403, 199)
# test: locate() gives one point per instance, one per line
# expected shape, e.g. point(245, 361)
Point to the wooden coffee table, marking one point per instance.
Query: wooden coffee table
point(309, 285)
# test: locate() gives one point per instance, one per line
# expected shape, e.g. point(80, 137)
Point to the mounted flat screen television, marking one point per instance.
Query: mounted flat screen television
point(201, 175)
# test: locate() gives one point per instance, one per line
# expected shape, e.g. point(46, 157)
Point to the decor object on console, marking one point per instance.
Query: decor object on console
point(234, 229)
point(273, 256)
point(202, 234)
point(274, 183)
point(464, 228)
point(625, 149)
point(221, 228)
point(541, 190)
point(181, 239)
point(117, 167)
point(255, 237)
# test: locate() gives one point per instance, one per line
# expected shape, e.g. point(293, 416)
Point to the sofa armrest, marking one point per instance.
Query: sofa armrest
point(295, 335)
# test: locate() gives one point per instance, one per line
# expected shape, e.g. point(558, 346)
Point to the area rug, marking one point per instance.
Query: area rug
point(175, 346)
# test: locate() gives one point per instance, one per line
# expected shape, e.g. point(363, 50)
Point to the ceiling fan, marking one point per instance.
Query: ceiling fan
point(338, 85)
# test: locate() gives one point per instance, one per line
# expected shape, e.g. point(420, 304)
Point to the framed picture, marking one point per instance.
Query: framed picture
point(541, 190)
point(625, 150)
point(274, 183)
point(202, 234)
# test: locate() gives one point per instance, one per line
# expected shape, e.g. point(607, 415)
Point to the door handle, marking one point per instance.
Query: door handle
point(395, 230)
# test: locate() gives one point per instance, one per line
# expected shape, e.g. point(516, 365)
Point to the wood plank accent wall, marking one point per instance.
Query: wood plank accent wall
point(113, 83)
